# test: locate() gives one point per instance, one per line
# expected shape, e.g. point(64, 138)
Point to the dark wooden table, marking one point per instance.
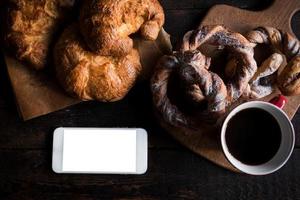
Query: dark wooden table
point(174, 172)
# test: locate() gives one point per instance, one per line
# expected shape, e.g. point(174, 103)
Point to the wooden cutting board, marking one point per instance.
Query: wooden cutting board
point(206, 142)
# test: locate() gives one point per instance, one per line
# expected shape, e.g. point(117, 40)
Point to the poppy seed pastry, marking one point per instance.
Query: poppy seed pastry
point(289, 79)
point(90, 76)
point(238, 46)
point(192, 68)
point(269, 75)
point(264, 81)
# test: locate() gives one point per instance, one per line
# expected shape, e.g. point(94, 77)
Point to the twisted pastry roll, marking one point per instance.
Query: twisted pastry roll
point(87, 75)
point(285, 47)
point(281, 42)
point(31, 26)
point(264, 81)
point(289, 79)
point(192, 68)
point(106, 25)
point(210, 84)
point(239, 46)
point(159, 86)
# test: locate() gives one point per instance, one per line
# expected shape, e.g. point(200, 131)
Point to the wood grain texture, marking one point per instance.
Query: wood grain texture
point(174, 172)
point(186, 176)
point(279, 15)
point(206, 141)
point(205, 4)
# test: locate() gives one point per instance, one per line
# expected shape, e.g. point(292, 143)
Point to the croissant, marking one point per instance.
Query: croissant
point(31, 27)
point(87, 75)
point(106, 25)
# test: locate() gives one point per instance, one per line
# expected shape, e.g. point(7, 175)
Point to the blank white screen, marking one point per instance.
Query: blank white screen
point(106, 150)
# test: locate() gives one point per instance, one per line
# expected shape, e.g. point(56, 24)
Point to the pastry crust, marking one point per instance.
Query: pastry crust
point(240, 47)
point(286, 49)
point(191, 66)
point(264, 81)
point(89, 76)
point(282, 42)
point(106, 25)
point(159, 87)
point(204, 85)
point(289, 79)
point(31, 27)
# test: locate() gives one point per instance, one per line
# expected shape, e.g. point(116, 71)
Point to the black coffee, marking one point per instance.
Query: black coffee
point(253, 136)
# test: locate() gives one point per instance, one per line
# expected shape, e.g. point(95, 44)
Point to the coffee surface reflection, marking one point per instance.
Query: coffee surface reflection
point(253, 136)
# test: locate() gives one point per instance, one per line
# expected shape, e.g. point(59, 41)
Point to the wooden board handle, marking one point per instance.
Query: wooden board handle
point(282, 10)
point(288, 6)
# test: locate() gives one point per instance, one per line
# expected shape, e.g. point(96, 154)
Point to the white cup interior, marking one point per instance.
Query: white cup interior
point(286, 145)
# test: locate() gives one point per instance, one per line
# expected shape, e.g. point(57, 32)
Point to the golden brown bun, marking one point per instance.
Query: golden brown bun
point(89, 76)
point(289, 79)
point(106, 25)
point(31, 26)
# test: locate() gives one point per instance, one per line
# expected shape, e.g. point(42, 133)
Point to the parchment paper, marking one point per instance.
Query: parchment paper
point(38, 93)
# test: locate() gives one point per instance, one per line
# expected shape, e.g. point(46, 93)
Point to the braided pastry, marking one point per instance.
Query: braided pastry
point(289, 79)
point(264, 81)
point(95, 58)
point(106, 25)
point(159, 86)
point(87, 75)
point(31, 27)
point(281, 42)
point(191, 66)
point(240, 47)
point(284, 47)
point(193, 69)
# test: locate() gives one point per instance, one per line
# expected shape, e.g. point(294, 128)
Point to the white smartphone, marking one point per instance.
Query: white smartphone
point(100, 150)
